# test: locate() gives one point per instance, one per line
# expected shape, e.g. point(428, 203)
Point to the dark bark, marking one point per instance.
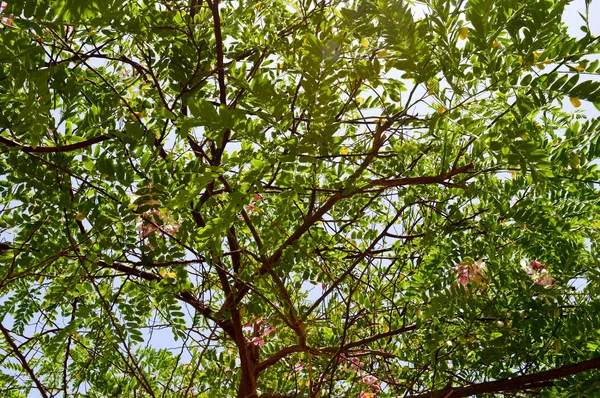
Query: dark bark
point(519, 383)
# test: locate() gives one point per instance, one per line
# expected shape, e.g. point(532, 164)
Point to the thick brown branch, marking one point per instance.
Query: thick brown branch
point(214, 8)
point(279, 355)
point(439, 179)
point(519, 383)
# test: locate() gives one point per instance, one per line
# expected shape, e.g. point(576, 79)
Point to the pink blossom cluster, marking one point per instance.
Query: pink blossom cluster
point(474, 273)
point(260, 330)
point(369, 380)
point(539, 273)
point(355, 363)
point(298, 367)
point(9, 20)
point(147, 228)
point(255, 199)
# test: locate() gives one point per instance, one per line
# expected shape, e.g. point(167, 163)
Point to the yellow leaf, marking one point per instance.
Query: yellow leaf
point(41, 279)
point(463, 33)
point(162, 272)
point(360, 100)
point(441, 110)
point(134, 116)
point(495, 45)
point(382, 53)
point(513, 174)
point(344, 150)
point(80, 217)
point(575, 102)
point(579, 68)
point(521, 60)
point(243, 311)
point(364, 43)
point(536, 55)
point(574, 161)
point(170, 275)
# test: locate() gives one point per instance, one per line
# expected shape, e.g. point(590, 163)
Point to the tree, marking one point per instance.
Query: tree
point(307, 198)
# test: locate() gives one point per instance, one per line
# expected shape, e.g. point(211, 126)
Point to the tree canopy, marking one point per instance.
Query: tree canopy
point(298, 198)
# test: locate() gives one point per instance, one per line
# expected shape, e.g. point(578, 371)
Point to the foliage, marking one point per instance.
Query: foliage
point(307, 198)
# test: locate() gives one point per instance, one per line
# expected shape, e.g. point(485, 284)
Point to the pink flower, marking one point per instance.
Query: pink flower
point(545, 279)
point(369, 379)
point(257, 197)
point(354, 362)
point(474, 273)
point(171, 229)
point(298, 367)
point(536, 265)
point(258, 341)
point(247, 327)
point(145, 229)
point(3, 6)
point(539, 273)
point(463, 280)
point(125, 73)
point(268, 331)
point(528, 270)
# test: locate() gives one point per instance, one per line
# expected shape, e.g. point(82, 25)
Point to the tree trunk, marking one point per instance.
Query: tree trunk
point(249, 378)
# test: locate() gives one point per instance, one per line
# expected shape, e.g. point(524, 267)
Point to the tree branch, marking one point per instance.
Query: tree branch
point(279, 355)
point(54, 149)
point(520, 383)
point(184, 296)
point(23, 361)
